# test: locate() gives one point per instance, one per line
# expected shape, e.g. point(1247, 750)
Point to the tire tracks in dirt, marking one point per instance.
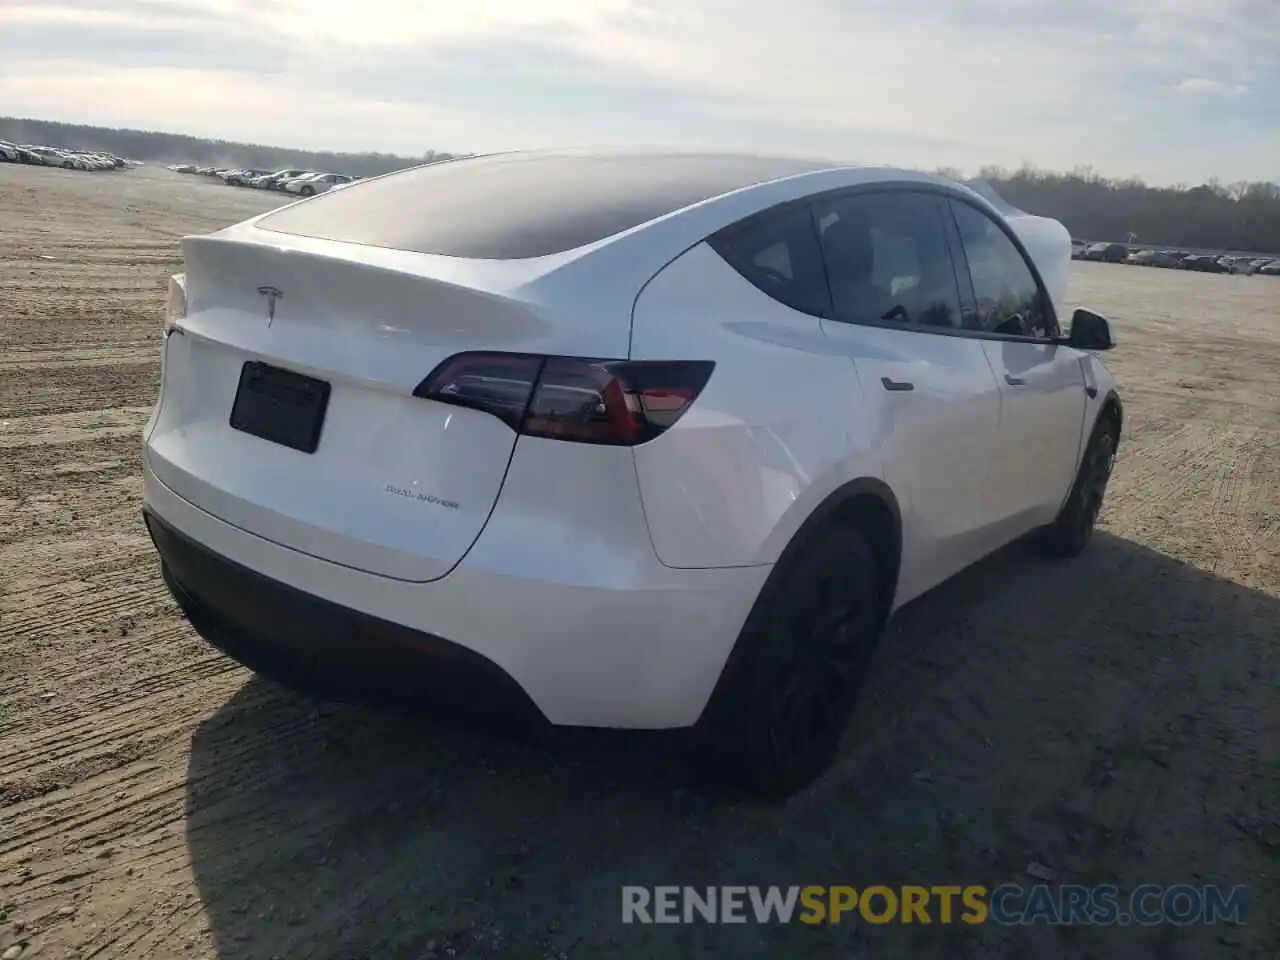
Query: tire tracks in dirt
point(28, 392)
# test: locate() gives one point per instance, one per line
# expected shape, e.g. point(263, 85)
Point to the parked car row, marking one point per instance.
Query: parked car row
point(304, 183)
point(1173, 259)
point(41, 156)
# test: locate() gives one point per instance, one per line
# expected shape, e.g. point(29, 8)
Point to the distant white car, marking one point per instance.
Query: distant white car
point(242, 178)
point(316, 183)
point(9, 152)
point(624, 439)
point(50, 157)
point(276, 181)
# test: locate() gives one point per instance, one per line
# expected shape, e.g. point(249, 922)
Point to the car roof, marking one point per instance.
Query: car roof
point(530, 203)
point(375, 222)
point(372, 222)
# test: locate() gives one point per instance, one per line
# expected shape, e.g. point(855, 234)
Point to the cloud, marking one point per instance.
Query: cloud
point(1205, 85)
point(111, 43)
point(962, 83)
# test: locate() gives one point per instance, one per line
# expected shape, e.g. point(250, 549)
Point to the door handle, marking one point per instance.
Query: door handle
point(1013, 381)
point(896, 385)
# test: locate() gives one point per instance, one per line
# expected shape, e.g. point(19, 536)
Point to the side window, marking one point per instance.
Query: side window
point(1008, 298)
point(887, 259)
point(777, 251)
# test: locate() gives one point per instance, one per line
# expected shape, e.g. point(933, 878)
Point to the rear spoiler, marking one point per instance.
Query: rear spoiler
point(1047, 241)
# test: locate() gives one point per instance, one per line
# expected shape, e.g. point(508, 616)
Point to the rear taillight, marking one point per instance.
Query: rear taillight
point(621, 402)
point(497, 383)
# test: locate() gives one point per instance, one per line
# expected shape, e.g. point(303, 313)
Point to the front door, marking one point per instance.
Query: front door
point(1042, 388)
point(1042, 413)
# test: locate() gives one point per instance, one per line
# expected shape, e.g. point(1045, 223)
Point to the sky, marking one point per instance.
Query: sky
point(1173, 91)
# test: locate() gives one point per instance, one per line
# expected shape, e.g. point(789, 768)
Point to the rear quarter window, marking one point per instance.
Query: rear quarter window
point(777, 251)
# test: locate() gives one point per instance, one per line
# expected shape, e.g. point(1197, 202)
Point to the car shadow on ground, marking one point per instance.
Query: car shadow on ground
point(1109, 717)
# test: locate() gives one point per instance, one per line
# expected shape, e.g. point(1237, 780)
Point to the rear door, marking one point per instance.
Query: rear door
point(1041, 382)
point(928, 393)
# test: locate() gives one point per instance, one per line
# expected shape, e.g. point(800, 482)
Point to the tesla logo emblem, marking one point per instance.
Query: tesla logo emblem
point(272, 295)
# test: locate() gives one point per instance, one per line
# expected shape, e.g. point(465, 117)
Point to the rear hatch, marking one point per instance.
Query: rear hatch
point(302, 428)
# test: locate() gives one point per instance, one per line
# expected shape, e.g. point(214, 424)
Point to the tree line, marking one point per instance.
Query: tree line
point(1239, 216)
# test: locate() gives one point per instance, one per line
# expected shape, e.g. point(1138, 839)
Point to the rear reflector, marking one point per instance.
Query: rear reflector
point(619, 402)
point(175, 301)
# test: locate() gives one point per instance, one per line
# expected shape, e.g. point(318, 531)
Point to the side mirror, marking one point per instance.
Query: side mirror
point(1090, 331)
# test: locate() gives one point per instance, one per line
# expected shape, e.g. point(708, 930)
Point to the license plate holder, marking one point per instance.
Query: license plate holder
point(281, 406)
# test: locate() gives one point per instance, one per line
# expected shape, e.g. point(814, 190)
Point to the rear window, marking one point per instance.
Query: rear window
point(511, 206)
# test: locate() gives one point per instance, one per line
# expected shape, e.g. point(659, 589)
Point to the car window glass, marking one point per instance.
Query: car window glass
point(1008, 298)
point(526, 203)
point(776, 257)
point(887, 259)
point(778, 252)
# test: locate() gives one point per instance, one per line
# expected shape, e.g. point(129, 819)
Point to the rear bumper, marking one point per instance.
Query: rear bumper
point(578, 640)
point(281, 631)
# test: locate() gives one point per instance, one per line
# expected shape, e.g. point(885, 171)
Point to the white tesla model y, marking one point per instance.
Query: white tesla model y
point(643, 440)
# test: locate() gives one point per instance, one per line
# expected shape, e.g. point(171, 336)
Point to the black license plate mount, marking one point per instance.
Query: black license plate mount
point(281, 406)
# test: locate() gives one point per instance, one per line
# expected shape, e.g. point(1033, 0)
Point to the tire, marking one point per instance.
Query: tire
point(776, 720)
point(307, 191)
point(68, 165)
point(1071, 532)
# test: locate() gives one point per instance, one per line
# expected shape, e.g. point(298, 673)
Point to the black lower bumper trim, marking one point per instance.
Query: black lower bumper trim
point(313, 644)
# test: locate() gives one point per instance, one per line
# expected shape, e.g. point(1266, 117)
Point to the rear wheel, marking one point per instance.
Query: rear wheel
point(1071, 532)
point(307, 191)
point(803, 655)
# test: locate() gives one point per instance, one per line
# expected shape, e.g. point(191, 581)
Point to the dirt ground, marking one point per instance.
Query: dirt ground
point(1114, 717)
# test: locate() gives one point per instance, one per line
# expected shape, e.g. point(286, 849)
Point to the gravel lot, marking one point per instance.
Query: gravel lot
point(1114, 717)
